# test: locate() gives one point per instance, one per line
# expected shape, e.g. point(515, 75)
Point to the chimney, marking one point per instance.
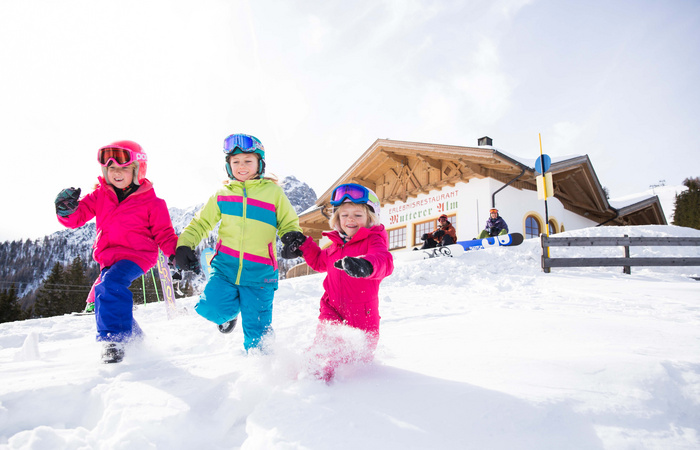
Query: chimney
point(485, 141)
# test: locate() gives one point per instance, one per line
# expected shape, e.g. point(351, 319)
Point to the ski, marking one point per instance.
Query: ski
point(456, 250)
point(166, 281)
point(511, 239)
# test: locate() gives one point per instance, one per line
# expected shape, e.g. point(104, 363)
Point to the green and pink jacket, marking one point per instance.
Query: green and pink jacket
point(252, 213)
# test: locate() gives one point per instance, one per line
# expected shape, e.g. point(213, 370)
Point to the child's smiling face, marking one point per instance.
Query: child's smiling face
point(120, 177)
point(244, 166)
point(352, 217)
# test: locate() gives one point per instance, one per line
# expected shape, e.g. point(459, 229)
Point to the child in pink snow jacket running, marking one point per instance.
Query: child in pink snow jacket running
point(132, 223)
point(355, 264)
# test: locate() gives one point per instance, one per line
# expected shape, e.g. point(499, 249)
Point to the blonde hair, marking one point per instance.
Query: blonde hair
point(372, 218)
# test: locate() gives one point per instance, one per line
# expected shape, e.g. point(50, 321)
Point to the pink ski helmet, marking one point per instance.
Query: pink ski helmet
point(123, 153)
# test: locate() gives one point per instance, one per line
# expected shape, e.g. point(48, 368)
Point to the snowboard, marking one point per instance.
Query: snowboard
point(205, 261)
point(453, 250)
point(166, 282)
point(511, 239)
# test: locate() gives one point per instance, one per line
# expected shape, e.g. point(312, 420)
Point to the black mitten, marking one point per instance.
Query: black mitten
point(67, 201)
point(176, 273)
point(438, 234)
point(494, 231)
point(424, 237)
point(292, 241)
point(186, 259)
point(355, 267)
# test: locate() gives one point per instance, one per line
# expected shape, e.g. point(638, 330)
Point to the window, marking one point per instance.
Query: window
point(422, 228)
point(532, 227)
point(552, 227)
point(397, 238)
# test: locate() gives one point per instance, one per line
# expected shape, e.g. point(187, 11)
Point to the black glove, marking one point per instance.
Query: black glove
point(438, 234)
point(67, 201)
point(292, 241)
point(355, 267)
point(424, 237)
point(186, 259)
point(493, 231)
point(176, 273)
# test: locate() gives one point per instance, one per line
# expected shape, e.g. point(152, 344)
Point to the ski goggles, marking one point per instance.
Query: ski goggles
point(120, 156)
point(354, 192)
point(246, 144)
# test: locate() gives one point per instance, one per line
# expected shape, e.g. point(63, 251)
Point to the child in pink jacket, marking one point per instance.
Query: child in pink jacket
point(355, 263)
point(132, 223)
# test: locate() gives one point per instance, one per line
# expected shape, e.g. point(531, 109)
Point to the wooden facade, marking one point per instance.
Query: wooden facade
point(398, 170)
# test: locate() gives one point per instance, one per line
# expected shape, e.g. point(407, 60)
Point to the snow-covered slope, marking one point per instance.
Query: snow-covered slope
point(479, 352)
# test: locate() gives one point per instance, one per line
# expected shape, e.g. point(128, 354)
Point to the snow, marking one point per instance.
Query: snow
point(484, 351)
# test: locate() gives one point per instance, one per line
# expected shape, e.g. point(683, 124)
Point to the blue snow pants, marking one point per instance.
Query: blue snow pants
point(114, 303)
point(222, 300)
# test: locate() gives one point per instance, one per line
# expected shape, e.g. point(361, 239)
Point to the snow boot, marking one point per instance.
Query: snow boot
point(228, 327)
point(113, 352)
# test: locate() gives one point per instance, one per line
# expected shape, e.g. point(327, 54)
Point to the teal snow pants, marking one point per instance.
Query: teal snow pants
point(222, 300)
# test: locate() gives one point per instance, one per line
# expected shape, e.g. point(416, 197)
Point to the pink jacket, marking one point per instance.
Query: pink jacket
point(131, 230)
point(370, 244)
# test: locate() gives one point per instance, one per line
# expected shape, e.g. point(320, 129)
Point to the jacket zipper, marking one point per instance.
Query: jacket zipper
point(243, 228)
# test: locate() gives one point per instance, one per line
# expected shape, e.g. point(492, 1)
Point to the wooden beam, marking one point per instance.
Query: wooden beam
point(432, 163)
point(379, 165)
point(471, 166)
point(403, 160)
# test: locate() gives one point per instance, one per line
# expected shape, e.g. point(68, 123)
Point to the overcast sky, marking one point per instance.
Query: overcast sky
point(319, 81)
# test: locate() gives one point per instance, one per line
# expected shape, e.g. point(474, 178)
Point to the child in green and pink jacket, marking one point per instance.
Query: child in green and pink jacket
point(244, 272)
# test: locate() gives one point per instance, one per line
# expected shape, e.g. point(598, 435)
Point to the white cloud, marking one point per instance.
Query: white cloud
point(564, 138)
point(485, 89)
point(438, 110)
point(509, 8)
point(316, 33)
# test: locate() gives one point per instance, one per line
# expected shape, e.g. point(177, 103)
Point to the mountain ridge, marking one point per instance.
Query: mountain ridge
point(27, 263)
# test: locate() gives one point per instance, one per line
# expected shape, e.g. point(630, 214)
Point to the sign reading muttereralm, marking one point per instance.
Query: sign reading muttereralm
point(423, 208)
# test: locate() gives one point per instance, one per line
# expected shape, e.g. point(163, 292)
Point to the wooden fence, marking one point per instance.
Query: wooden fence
point(625, 261)
point(300, 270)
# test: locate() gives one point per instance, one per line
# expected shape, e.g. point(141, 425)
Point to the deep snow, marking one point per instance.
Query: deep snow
point(479, 352)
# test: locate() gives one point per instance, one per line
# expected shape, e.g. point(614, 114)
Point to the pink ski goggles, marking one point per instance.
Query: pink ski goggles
point(120, 156)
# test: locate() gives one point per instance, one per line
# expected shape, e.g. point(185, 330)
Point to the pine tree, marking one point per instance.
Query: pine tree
point(10, 310)
point(77, 288)
point(687, 205)
point(151, 281)
point(51, 294)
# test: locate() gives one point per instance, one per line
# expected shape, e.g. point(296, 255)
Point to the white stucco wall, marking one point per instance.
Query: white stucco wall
point(471, 203)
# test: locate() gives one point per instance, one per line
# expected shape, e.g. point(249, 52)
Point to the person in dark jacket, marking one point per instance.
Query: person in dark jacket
point(444, 234)
point(495, 225)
